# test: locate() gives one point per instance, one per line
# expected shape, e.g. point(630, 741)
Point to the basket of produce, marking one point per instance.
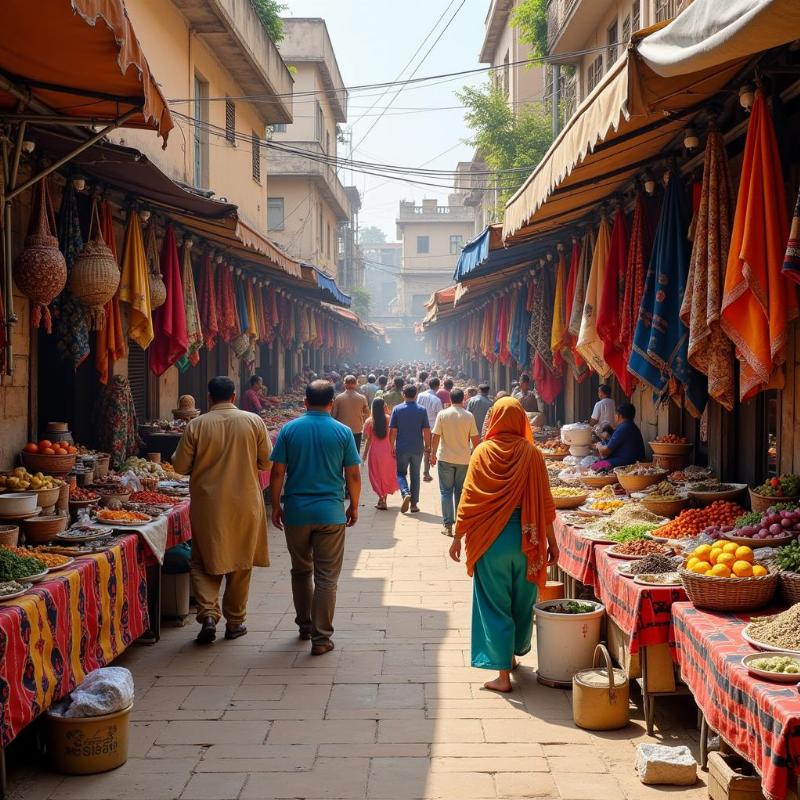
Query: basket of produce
point(671, 445)
point(43, 529)
point(777, 632)
point(111, 490)
point(639, 476)
point(692, 521)
point(788, 562)
point(776, 526)
point(50, 457)
point(597, 480)
point(785, 489)
point(82, 498)
point(568, 497)
point(554, 449)
point(709, 492)
point(725, 577)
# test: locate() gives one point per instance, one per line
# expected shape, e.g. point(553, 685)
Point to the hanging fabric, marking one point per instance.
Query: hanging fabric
point(252, 320)
point(791, 259)
point(709, 349)
point(589, 344)
point(559, 310)
point(759, 302)
point(548, 383)
point(134, 288)
point(72, 319)
point(194, 328)
point(207, 303)
point(169, 321)
point(609, 318)
point(578, 300)
point(110, 341)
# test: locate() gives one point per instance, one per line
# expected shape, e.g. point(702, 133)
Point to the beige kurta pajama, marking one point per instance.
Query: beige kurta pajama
point(222, 452)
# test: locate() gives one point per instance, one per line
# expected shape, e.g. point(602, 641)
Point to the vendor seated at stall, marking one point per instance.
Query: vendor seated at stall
point(603, 411)
point(626, 445)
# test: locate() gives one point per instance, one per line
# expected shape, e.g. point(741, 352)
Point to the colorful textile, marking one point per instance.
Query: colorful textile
point(548, 383)
point(78, 620)
point(589, 344)
point(759, 302)
point(169, 320)
point(194, 329)
point(134, 285)
point(576, 554)
point(559, 311)
point(115, 416)
point(506, 472)
point(252, 320)
point(581, 279)
point(760, 719)
point(541, 325)
point(207, 303)
point(226, 304)
point(609, 316)
point(110, 342)
point(72, 319)
point(791, 260)
point(518, 344)
point(709, 349)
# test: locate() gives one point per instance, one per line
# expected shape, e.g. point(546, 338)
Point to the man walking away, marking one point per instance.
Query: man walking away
point(410, 435)
point(370, 389)
point(395, 396)
point(444, 393)
point(433, 405)
point(453, 432)
point(382, 381)
point(310, 454)
point(351, 409)
point(422, 382)
point(479, 405)
point(222, 452)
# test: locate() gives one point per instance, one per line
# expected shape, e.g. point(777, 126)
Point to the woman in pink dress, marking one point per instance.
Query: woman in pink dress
point(378, 453)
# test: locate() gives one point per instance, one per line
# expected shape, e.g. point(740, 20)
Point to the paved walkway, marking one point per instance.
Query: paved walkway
point(395, 712)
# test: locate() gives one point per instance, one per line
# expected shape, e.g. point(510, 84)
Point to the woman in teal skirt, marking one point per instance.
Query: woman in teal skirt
point(505, 519)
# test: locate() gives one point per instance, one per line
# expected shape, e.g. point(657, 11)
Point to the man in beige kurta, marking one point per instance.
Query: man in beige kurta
point(222, 452)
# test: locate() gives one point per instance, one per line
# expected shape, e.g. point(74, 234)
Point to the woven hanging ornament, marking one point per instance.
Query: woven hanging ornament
point(158, 289)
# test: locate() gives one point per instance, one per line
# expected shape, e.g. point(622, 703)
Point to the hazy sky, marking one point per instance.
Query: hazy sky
point(373, 40)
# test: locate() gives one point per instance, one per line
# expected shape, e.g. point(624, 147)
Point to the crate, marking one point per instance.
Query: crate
point(730, 777)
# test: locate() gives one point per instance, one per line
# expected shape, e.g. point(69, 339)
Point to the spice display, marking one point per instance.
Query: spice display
point(691, 521)
point(10, 587)
point(50, 560)
point(153, 497)
point(662, 491)
point(655, 564)
point(670, 438)
point(109, 515)
point(15, 567)
point(632, 533)
point(690, 474)
point(784, 486)
point(640, 469)
point(643, 547)
point(76, 493)
point(607, 492)
point(143, 468)
point(143, 508)
point(629, 514)
point(554, 447)
point(712, 486)
point(607, 505)
point(778, 630)
point(20, 480)
point(724, 560)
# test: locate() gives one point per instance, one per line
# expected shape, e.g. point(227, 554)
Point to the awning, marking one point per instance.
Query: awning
point(80, 59)
point(476, 252)
point(325, 284)
point(634, 114)
point(344, 313)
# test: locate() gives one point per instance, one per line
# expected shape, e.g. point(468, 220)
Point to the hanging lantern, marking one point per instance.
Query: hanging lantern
point(94, 278)
point(40, 270)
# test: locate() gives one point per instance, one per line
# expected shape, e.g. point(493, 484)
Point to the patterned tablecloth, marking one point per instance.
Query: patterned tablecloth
point(642, 612)
point(78, 620)
point(759, 719)
point(576, 554)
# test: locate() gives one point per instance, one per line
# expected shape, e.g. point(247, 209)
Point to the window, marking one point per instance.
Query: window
point(594, 73)
point(423, 244)
point(456, 243)
point(329, 239)
point(200, 132)
point(275, 213)
point(612, 37)
point(636, 16)
point(626, 28)
point(506, 77)
point(279, 127)
point(256, 156)
point(319, 231)
point(666, 9)
point(230, 121)
point(319, 124)
point(327, 142)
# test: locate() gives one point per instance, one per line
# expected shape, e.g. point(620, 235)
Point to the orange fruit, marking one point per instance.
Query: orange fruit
point(726, 558)
point(31, 447)
point(759, 571)
point(744, 553)
point(701, 567)
point(742, 569)
point(730, 547)
point(716, 552)
point(719, 571)
point(703, 551)
point(48, 451)
point(692, 561)
point(721, 543)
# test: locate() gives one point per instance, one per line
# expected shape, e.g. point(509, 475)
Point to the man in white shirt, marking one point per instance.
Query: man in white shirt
point(433, 405)
point(604, 410)
point(453, 433)
point(370, 389)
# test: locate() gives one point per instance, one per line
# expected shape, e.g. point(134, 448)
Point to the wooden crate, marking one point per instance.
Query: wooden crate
point(730, 777)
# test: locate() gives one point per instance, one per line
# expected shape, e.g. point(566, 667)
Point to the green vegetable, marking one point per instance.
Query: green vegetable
point(632, 533)
point(14, 567)
point(750, 518)
point(783, 664)
point(572, 607)
point(788, 557)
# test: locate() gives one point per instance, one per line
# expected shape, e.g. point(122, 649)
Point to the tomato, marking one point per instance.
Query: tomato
point(43, 443)
point(31, 447)
point(47, 451)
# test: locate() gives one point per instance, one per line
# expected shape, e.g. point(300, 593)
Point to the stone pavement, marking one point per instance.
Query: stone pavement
point(395, 712)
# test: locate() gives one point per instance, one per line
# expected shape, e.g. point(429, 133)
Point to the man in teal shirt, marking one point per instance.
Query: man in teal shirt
point(310, 455)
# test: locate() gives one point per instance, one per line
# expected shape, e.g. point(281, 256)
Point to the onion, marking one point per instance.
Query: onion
point(786, 522)
point(762, 533)
point(775, 529)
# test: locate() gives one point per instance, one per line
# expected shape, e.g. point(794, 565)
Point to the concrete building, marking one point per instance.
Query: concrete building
point(307, 202)
point(432, 236)
point(381, 274)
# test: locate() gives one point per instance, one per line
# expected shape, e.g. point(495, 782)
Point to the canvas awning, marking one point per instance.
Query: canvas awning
point(635, 112)
point(78, 59)
point(324, 285)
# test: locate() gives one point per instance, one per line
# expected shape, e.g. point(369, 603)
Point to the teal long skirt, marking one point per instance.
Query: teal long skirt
point(502, 601)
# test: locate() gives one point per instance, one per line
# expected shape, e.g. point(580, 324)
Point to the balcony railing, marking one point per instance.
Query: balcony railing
point(558, 13)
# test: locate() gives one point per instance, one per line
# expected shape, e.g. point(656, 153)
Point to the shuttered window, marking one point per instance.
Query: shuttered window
point(137, 377)
point(256, 157)
point(230, 121)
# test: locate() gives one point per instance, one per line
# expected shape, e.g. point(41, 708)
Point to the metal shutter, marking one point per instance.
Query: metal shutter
point(137, 377)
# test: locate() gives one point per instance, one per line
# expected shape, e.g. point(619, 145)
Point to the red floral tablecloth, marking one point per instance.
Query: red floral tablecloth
point(80, 619)
point(759, 719)
point(576, 554)
point(643, 612)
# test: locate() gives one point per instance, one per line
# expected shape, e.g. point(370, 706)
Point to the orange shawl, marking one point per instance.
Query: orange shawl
point(507, 471)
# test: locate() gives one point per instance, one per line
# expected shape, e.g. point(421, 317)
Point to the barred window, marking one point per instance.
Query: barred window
point(636, 16)
point(612, 37)
point(230, 120)
point(594, 73)
point(626, 28)
point(666, 9)
point(256, 156)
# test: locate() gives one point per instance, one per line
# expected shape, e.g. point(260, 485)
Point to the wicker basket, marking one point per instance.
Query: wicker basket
point(570, 502)
point(665, 508)
point(707, 498)
point(158, 290)
point(760, 503)
point(50, 465)
point(9, 535)
point(790, 587)
point(94, 278)
point(729, 594)
point(671, 449)
point(598, 481)
point(41, 530)
point(635, 483)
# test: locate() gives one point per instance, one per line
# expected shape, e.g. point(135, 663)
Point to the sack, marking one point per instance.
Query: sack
point(103, 691)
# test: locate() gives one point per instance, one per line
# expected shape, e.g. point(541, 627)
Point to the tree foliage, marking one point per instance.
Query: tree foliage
point(371, 234)
point(269, 12)
point(506, 140)
point(361, 302)
point(530, 17)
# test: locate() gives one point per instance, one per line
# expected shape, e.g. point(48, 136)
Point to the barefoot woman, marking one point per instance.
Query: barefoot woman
point(506, 521)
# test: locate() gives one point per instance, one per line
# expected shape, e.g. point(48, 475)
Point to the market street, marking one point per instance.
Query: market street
point(393, 712)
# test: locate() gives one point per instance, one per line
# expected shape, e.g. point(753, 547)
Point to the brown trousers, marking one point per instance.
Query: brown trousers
point(205, 588)
point(318, 551)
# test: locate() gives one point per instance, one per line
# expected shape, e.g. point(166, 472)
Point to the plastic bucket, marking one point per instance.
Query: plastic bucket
point(565, 643)
point(87, 745)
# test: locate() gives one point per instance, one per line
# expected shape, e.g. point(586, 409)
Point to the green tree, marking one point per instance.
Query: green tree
point(360, 302)
point(269, 11)
point(506, 140)
point(530, 17)
point(371, 235)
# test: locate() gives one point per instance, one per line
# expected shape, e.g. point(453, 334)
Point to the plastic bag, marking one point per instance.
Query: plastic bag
point(103, 691)
point(131, 481)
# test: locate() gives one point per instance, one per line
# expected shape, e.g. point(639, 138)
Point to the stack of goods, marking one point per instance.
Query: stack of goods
point(45, 447)
point(690, 474)
point(693, 521)
point(779, 523)
point(635, 532)
point(655, 564)
point(724, 559)
point(568, 496)
point(154, 498)
point(629, 514)
point(607, 505)
point(78, 495)
point(671, 438)
point(640, 548)
point(49, 560)
point(785, 487)
point(112, 516)
point(663, 491)
point(282, 409)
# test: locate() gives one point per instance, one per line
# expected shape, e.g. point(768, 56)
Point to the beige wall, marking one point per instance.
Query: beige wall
point(438, 233)
point(526, 85)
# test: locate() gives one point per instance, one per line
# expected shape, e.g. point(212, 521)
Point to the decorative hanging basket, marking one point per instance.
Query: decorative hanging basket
point(94, 278)
point(40, 270)
point(240, 345)
point(158, 289)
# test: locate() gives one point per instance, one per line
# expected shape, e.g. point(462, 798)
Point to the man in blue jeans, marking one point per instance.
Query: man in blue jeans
point(410, 436)
point(453, 433)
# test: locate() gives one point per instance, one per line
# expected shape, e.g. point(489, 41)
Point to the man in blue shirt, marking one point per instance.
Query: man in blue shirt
point(311, 453)
point(626, 445)
point(410, 435)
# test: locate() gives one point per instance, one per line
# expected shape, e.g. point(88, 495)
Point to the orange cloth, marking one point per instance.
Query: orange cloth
point(134, 286)
point(507, 471)
point(110, 340)
point(758, 302)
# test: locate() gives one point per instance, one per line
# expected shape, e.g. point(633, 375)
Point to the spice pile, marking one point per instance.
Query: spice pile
point(632, 533)
point(692, 521)
point(643, 547)
point(15, 567)
point(655, 564)
point(779, 630)
point(690, 474)
point(662, 491)
point(10, 587)
point(629, 514)
point(155, 498)
point(566, 491)
point(607, 506)
point(108, 515)
point(76, 494)
point(554, 447)
point(43, 554)
point(143, 468)
point(640, 469)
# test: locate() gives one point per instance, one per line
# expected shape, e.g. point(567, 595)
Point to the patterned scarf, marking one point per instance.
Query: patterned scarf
point(207, 302)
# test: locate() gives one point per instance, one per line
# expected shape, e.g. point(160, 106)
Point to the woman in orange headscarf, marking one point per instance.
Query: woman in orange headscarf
point(505, 518)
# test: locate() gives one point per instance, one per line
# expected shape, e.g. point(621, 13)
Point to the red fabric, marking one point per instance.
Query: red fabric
point(226, 304)
point(568, 346)
point(502, 331)
point(169, 321)
point(207, 302)
point(576, 554)
point(609, 317)
point(548, 385)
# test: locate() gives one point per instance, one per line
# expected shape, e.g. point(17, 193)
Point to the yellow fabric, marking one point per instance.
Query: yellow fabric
point(222, 452)
point(590, 345)
point(252, 319)
point(557, 331)
point(134, 286)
